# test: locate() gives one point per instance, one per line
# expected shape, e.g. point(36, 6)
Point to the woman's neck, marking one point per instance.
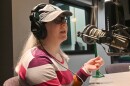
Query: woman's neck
point(51, 47)
point(54, 51)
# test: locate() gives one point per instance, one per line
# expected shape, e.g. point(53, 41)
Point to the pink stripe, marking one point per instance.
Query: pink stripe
point(65, 77)
point(39, 61)
point(44, 52)
point(53, 82)
point(83, 75)
point(22, 72)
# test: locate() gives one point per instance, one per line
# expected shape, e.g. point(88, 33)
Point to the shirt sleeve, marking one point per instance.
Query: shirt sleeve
point(80, 77)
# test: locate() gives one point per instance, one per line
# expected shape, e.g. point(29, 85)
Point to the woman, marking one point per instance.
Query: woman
point(43, 63)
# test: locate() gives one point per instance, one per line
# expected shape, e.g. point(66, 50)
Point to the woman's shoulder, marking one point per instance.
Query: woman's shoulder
point(40, 58)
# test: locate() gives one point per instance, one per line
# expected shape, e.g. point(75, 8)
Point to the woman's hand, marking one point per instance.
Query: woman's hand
point(93, 64)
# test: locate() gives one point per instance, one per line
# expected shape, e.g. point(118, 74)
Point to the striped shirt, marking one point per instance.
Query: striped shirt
point(39, 68)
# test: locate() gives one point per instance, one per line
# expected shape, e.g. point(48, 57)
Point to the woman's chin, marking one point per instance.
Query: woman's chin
point(64, 38)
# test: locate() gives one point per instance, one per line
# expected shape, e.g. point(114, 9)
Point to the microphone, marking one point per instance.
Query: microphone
point(91, 34)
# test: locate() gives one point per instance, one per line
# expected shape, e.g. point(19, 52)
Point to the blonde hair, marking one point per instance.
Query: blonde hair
point(31, 42)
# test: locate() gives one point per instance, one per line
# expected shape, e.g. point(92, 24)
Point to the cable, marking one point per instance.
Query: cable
point(83, 84)
point(104, 48)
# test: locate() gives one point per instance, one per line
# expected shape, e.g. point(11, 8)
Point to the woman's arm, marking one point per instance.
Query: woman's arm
point(90, 66)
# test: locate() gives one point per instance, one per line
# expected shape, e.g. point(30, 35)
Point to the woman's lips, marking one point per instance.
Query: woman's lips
point(63, 32)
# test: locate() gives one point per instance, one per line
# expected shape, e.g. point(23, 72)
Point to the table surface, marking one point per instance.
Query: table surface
point(113, 79)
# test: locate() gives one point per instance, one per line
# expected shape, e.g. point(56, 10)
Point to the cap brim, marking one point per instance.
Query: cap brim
point(55, 14)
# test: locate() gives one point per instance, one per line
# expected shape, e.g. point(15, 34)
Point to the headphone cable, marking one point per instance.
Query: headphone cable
point(65, 67)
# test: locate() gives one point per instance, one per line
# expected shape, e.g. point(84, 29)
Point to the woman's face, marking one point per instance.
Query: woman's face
point(57, 29)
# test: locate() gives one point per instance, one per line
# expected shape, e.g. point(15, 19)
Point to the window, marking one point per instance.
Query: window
point(77, 22)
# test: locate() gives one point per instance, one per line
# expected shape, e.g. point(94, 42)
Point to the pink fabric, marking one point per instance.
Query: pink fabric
point(43, 70)
point(22, 72)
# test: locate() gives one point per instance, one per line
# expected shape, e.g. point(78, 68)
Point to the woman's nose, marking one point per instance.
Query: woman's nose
point(64, 24)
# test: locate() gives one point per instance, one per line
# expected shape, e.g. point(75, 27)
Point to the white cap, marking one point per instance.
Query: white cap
point(50, 12)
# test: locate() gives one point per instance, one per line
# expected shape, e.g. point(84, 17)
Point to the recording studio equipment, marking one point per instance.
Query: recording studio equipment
point(114, 13)
point(115, 35)
point(117, 38)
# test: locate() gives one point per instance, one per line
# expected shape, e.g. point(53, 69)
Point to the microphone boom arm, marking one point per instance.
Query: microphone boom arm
point(115, 39)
